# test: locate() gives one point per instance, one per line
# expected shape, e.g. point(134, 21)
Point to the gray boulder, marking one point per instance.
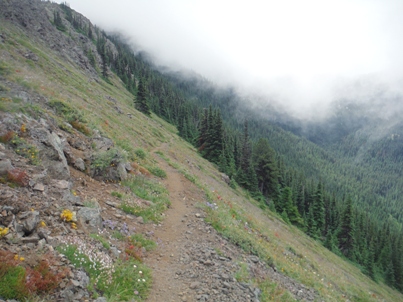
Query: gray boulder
point(79, 164)
point(52, 155)
point(5, 165)
point(122, 171)
point(30, 220)
point(90, 218)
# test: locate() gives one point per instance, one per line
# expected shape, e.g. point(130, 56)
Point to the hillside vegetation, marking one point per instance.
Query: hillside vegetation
point(61, 75)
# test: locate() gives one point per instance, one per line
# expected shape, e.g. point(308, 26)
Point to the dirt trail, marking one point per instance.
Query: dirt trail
point(194, 263)
point(166, 286)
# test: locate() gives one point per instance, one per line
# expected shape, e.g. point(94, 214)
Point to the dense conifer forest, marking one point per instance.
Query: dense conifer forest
point(347, 199)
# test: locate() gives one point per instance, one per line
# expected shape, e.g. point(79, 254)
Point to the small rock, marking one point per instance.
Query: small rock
point(226, 285)
point(197, 215)
point(254, 259)
point(63, 184)
point(39, 187)
point(31, 220)
point(43, 233)
point(79, 164)
point(140, 220)
point(41, 244)
point(27, 240)
point(112, 204)
point(115, 252)
point(5, 165)
point(194, 285)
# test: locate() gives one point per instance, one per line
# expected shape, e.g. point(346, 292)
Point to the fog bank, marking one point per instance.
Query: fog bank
point(301, 54)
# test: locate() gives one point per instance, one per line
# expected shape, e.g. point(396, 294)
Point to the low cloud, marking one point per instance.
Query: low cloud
point(302, 55)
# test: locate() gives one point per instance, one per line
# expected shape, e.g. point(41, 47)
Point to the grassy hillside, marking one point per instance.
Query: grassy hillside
point(107, 106)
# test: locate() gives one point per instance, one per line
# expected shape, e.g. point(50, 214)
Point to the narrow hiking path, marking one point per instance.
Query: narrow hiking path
point(166, 285)
point(194, 263)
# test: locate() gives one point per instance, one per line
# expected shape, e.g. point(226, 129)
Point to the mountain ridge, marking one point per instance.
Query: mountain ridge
point(37, 80)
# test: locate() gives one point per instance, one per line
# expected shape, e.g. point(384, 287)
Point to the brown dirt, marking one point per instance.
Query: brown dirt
point(183, 196)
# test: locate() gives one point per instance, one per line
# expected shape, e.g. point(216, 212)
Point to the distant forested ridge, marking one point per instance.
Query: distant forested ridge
point(346, 193)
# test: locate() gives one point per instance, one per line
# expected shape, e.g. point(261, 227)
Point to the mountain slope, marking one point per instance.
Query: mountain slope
point(45, 81)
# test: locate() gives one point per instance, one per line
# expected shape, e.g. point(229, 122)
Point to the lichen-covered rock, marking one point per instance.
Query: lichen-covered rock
point(122, 171)
point(29, 221)
point(90, 218)
point(79, 164)
point(51, 153)
point(5, 165)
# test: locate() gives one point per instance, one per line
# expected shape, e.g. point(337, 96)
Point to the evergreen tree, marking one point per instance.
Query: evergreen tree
point(346, 234)
point(244, 175)
point(265, 167)
point(290, 208)
point(141, 101)
point(318, 208)
point(331, 241)
point(202, 138)
point(89, 34)
point(311, 223)
point(57, 19)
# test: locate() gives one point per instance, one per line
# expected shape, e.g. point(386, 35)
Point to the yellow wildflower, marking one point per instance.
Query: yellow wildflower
point(66, 215)
point(3, 232)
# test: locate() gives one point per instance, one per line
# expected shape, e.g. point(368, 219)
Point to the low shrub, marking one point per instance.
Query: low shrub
point(103, 160)
point(5, 138)
point(24, 149)
point(157, 172)
point(140, 153)
point(20, 281)
point(81, 127)
point(139, 241)
point(18, 177)
point(66, 111)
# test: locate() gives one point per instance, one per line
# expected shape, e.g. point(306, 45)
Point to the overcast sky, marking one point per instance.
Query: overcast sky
point(298, 52)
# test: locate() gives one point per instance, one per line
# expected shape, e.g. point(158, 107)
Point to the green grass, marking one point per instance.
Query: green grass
point(242, 274)
point(118, 235)
point(12, 283)
point(157, 171)
point(139, 241)
point(66, 111)
point(117, 194)
point(150, 190)
point(105, 243)
point(124, 281)
point(25, 149)
point(140, 153)
point(270, 291)
point(132, 280)
point(81, 260)
point(103, 160)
